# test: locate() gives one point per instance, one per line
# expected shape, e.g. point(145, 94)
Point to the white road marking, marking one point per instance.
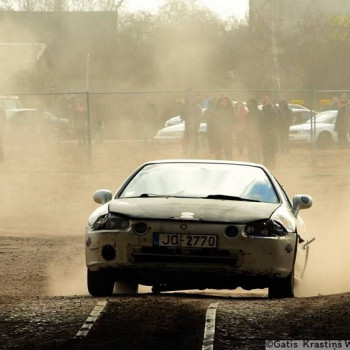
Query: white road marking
point(94, 315)
point(209, 329)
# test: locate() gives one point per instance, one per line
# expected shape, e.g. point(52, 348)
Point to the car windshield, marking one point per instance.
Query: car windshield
point(202, 180)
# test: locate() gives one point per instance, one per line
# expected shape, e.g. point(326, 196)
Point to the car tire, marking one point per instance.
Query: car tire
point(282, 287)
point(100, 283)
point(324, 141)
point(124, 287)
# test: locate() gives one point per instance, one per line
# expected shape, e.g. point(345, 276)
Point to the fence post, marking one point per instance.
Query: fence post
point(88, 127)
point(313, 135)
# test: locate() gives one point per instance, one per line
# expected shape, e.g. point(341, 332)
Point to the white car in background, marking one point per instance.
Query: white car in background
point(174, 129)
point(323, 128)
point(178, 120)
point(173, 121)
point(10, 104)
point(174, 134)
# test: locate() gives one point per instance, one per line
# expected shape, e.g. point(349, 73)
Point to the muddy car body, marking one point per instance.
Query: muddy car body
point(195, 224)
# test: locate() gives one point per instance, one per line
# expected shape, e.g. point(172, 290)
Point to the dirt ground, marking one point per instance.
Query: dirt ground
point(46, 193)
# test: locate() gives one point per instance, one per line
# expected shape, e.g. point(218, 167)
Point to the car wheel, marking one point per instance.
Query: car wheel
point(282, 287)
point(100, 283)
point(324, 141)
point(156, 290)
point(123, 287)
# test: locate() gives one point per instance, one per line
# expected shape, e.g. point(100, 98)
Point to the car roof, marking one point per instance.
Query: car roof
point(204, 161)
point(21, 110)
point(5, 97)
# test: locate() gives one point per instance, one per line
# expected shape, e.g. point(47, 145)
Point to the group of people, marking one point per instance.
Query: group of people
point(262, 131)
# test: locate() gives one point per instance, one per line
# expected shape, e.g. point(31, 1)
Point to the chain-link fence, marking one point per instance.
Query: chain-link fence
point(86, 131)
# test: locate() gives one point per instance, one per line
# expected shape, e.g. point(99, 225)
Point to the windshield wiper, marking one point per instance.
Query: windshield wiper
point(146, 195)
point(231, 198)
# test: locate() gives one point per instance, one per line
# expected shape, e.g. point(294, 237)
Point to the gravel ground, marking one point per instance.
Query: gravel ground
point(32, 319)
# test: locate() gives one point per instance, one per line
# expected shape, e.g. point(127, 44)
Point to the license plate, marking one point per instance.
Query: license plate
point(184, 241)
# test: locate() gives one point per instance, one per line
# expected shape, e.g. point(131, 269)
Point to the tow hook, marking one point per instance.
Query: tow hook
point(308, 242)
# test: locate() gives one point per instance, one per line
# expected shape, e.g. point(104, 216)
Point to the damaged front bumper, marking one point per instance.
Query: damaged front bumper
point(248, 262)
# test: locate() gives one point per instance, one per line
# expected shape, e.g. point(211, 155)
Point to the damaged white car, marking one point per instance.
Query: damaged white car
point(196, 224)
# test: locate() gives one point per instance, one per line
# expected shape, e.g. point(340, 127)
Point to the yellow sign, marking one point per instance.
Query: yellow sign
point(325, 102)
point(297, 102)
point(339, 27)
point(180, 100)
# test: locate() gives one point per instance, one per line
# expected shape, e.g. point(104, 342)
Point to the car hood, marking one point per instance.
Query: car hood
point(195, 209)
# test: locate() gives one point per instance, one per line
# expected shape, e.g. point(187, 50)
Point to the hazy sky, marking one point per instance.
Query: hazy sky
point(224, 8)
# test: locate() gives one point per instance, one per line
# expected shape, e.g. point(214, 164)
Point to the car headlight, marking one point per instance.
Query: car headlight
point(265, 228)
point(110, 221)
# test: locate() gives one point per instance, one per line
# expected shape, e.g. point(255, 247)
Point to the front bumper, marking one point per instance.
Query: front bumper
point(249, 262)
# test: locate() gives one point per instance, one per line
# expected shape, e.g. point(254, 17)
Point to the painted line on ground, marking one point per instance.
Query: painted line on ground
point(93, 317)
point(209, 329)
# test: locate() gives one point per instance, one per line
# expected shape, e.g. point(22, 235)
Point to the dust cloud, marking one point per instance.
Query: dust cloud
point(328, 265)
point(66, 274)
point(46, 190)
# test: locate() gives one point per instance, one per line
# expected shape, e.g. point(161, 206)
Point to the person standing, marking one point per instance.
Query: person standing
point(192, 115)
point(210, 119)
point(99, 129)
point(149, 120)
point(253, 130)
point(223, 128)
point(286, 121)
point(335, 103)
point(341, 124)
point(241, 113)
point(2, 131)
point(270, 128)
point(80, 122)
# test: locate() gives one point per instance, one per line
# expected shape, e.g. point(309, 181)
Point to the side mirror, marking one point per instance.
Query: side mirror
point(301, 201)
point(102, 196)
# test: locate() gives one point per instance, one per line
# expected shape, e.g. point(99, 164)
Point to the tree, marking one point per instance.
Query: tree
point(67, 5)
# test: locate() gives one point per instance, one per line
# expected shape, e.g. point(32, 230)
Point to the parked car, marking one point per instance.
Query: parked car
point(301, 116)
point(174, 129)
point(10, 103)
point(196, 224)
point(294, 106)
point(173, 121)
point(174, 134)
point(178, 120)
point(323, 126)
point(26, 123)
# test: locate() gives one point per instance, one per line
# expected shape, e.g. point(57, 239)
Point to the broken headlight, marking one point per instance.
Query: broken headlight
point(265, 228)
point(111, 221)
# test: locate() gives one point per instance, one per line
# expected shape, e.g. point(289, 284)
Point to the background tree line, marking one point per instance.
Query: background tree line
point(186, 45)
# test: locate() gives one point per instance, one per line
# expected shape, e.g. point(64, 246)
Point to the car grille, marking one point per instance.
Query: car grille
point(166, 255)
